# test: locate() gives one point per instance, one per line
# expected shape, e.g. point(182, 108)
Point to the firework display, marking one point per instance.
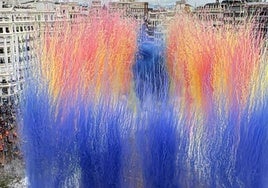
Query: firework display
point(111, 107)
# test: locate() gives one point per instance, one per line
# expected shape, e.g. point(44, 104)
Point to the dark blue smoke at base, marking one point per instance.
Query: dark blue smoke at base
point(252, 152)
point(150, 73)
point(100, 145)
point(157, 146)
point(105, 145)
point(156, 119)
point(233, 153)
point(49, 152)
point(82, 148)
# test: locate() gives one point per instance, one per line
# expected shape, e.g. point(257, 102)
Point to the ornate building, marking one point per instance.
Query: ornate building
point(18, 39)
point(130, 8)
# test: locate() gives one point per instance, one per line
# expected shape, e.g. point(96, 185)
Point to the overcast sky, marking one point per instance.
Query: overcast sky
point(199, 2)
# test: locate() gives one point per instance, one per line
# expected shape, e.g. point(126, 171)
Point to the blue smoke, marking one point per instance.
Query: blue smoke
point(157, 142)
point(79, 146)
point(150, 72)
point(48, 142)
point(100, 145)
point(109, 144)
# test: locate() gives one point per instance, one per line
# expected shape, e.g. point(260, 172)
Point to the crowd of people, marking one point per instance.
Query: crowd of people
point(9, 142)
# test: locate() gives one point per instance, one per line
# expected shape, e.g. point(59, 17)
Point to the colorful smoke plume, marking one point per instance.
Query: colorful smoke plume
point(218, 79)
point(73, 109)
point(206, 63)
point(101, 49)
point(112, 107)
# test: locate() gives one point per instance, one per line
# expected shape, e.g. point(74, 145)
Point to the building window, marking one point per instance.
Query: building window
point(21, 28)
point(9, 60)
point(5, 90)
point(11, 90)
point(13, 79)
point(2, 61)
point(1, 30)
point(7, 29)
point(1, 50)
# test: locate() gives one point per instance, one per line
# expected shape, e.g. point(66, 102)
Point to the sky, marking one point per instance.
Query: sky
point(199, 2)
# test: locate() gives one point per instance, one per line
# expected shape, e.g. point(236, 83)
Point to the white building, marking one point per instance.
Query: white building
point(182, 6)
point(159, 19)
point(212, 13)
point(21, 25)
point(18, 37)
point(130, 8)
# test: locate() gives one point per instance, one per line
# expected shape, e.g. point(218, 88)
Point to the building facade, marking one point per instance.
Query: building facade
point(21, 24)
point(236, 12)
point(18, 37)
point(258, 12)
point(211, 12)
point(130, 8)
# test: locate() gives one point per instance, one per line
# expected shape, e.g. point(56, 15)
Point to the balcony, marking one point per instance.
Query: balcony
point(7, 84)
point(6, 20)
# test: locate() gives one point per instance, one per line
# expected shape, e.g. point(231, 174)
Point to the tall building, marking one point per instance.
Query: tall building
point(18, 43)
point(211, 12)
point(96, 4)
point(95, 7)
point(21, 23)
point(130, 8)
point(234, 12)
point(182, 6)
point(224, 12)
point(18, 34)
point(258, 11)
point(159, 18)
